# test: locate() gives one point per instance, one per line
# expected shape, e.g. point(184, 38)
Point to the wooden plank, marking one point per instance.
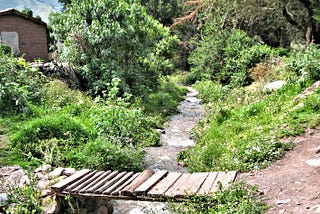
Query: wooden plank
point(98, 184)
point(155, 178)
point(119, 189)
point(231, 176)
point(118, 183)
point(129, 190)
point(96, 188)
point(220, 179)
point(87, 182)
point(96, 181)
point(76, 176)
point(207, 184)
point(175, 188)
point(80, 181)
point(110, 182)
point(160, 188)
point(192, 184)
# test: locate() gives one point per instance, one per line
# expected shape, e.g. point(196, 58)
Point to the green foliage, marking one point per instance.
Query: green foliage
point(243, 129)
point(114, 39)
point(305, 65)
point(19, 84)
point(227, 58)
point(105, 155)
point(125, 126)
point(30, 139)
point(238, 198)
point(25, 199)
point(165, 101)
point(164, 10)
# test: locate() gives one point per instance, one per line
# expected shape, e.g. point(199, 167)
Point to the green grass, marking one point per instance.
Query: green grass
point(243, 131)
point(238, 198)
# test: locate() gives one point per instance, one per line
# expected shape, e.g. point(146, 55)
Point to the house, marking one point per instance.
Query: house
point(27, 36)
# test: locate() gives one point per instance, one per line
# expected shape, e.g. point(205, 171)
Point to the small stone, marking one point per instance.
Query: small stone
point(44, 168)
point(313, 162)
point(285, 201)
point(68, 171)
point(56, 173)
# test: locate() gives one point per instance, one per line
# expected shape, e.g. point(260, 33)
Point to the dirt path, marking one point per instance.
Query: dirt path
point(292, 184)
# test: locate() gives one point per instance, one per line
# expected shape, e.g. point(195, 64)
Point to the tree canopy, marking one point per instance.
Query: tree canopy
point(114, 39)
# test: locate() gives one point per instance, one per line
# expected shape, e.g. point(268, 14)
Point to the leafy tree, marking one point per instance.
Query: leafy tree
point(114, 39)
point(163, 10)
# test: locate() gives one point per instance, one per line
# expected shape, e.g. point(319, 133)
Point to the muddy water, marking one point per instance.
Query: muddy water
point(176, 137)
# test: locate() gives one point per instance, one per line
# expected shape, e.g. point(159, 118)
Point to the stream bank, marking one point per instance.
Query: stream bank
point(175, 138)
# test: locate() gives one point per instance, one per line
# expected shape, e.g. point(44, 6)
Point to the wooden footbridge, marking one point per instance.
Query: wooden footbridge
point(147, 185)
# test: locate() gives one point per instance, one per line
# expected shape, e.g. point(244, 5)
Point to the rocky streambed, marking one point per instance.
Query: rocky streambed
point(175, 138)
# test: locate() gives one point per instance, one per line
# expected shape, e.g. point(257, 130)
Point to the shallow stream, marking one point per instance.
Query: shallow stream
point(175, 138)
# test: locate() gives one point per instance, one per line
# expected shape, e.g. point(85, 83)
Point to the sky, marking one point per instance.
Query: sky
point(39, 7)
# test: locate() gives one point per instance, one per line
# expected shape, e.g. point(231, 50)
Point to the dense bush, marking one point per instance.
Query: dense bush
point(165, 101)
point(227, 58)
point(114, 39)
point(105, 155)
point(30, 139)
point(19, 83)
point(125, 126)
point(305, 65)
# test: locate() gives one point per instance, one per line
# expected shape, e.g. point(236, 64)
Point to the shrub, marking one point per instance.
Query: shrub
point(125, 126)
point(238, 198)
point(105, 155)
point(19, 84)
point(25, 199)
point(165, 101)
point(27, 139)
point(305, 65)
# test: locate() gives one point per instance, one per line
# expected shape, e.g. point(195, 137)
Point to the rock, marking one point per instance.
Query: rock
point(56, 172)
point(44, 168)
point(285, 201)
point(68, 171)
point(317, 150)
point(307, 91)
point(272, 86)
point(313, 162)
point(3, 198)
point(316, 208)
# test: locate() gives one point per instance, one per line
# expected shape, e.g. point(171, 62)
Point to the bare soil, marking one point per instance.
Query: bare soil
point(292, 184)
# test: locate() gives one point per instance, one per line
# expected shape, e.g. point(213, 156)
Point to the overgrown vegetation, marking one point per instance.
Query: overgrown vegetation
point(239, 198)
point(122, 57)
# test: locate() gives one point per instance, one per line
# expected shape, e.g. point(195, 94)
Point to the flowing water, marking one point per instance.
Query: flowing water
point(176, 138)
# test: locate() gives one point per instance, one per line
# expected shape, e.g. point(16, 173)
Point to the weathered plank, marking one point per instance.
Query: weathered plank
point(80, 181)
point(87, 182)
point(119, 189)
point(231, 176)
point(175, 188)
point(118, 183)
point(207, 184)
point(192, 184)
point(160, 188)
point(220, 179)
point(98, 184)
point(110, 182)
point(95, 182)
point(129, 190)
point(76, 176)
point(155, 178)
